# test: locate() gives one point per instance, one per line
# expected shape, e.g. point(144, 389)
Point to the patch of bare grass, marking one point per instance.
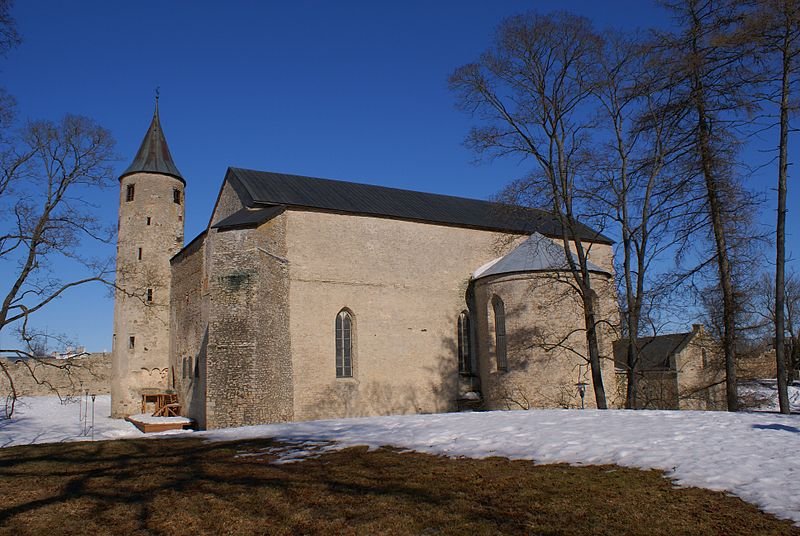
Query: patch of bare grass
point(186, 486)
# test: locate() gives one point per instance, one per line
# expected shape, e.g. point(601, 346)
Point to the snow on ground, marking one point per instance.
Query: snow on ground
point(752, 455)
point(150, 419)
point(764, 394)
point(45, 419)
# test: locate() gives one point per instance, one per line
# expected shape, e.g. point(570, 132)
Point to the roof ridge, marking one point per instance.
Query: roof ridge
point(394, 188)
point(301, 191)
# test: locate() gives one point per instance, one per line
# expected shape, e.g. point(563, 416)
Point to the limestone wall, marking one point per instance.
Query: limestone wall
point(544, 327)
point(65, 377)
point(757, 367)
point(189, 330)
point(249, 370)
point(150, 233)
point(701, 374)
point(405, 284)
point(228, 202)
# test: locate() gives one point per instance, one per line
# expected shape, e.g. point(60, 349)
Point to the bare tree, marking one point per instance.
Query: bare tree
point(714, 74)
point(46, 218)
point(533, 93)
point(636, 185)
point(762, 305)
point(9, 38)
point(774, 27)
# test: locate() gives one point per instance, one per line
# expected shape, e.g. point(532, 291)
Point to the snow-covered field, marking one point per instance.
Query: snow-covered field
point(44, 419)
point(751, 455)
point(764, 394)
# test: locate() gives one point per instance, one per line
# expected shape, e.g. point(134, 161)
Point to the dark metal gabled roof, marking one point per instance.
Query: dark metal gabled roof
point(654, 352)
point(249, 217)
point(153, 155)
point(262, 187)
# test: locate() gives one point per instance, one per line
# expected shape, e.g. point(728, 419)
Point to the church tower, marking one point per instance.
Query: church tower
point(150, 232)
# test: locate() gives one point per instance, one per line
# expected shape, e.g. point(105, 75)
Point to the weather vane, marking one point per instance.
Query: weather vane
point(158, 90)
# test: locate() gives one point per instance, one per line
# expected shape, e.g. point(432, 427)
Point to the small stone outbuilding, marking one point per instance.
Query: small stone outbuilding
point(676, 371)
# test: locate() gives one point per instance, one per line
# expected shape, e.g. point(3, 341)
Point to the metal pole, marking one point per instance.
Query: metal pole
point(93, 416)
point(86, 414)
point(80, 406)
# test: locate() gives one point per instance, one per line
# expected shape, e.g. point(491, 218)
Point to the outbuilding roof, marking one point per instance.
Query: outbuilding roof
point(655, 353)
point(269, 188)
point(536, 254)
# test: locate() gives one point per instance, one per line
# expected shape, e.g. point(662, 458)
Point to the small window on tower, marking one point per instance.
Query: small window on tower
point(129, 192)
point(149, 295)
point(176, 195)
point(148, 220)
point(139, 254)
point(131, 342)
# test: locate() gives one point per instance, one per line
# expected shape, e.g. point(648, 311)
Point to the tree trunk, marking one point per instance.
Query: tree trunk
point(712, 183)
point(594, 350)
point(780, 236)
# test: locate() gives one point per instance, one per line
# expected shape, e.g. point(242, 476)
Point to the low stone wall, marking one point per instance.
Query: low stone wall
point(65, 377)
point(757, 367)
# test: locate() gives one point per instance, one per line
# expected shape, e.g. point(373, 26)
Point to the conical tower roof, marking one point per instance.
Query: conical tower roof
point(153, 155)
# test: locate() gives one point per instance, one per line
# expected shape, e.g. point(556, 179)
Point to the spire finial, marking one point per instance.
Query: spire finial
point(158, 91)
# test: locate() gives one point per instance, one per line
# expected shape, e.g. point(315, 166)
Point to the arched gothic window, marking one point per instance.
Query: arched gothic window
point(500, 333)
point(344, 344)
point(464, 354)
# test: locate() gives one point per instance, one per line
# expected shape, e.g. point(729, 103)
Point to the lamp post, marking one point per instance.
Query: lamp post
point(80, 405)
point(581, 391)
point(93, 395)
point(86, 413)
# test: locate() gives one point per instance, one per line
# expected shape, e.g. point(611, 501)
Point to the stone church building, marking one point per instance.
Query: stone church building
point(310, 298)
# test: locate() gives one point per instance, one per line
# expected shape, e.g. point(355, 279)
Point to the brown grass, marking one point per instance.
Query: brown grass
point(187, 486)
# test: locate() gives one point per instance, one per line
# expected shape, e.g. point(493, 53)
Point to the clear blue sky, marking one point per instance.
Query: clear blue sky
point(346, 90)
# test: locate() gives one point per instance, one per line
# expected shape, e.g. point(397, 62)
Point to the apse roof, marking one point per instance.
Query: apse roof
point(536, 254)
point(153, 155)
point(268, 188)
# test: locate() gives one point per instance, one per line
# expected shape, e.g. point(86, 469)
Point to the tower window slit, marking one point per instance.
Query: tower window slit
point(149, 295)
point(139, 254)
point(129, 192)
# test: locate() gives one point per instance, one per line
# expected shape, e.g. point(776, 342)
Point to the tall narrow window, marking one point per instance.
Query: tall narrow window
point(500, 333)
point(149, 295)
point(464, 358)
point(176, 196)
point(148, 220)
point(131, 342)
point(129, 192)
point(344, 344)
point(139, 254)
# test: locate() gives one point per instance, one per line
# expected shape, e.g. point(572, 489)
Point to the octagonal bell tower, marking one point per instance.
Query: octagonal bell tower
point(150, 232)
